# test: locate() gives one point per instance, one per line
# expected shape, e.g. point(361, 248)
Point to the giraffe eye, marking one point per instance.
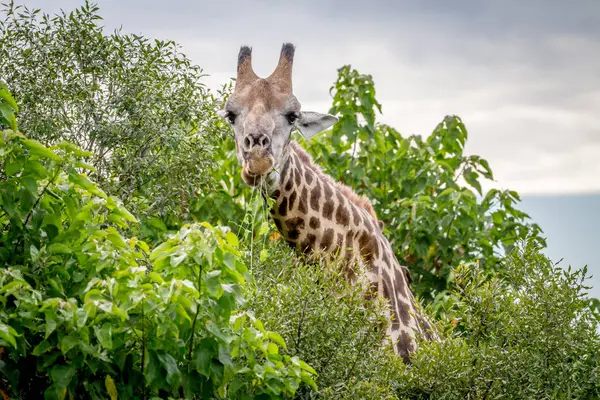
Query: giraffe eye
point(231, 117)
point(291, 117)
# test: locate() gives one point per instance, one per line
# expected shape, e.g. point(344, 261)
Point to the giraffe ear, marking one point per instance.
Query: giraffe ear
point(310, 123)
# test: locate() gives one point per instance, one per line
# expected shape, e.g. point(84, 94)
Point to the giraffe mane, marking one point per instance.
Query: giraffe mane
point(359, 200)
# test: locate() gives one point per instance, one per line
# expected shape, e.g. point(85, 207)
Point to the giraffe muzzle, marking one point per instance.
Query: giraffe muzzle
point(258, 161)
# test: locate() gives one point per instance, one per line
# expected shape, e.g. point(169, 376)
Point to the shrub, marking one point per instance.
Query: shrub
point(325, 321)
point(88, 313)
point(528, 335)
point(89, 310)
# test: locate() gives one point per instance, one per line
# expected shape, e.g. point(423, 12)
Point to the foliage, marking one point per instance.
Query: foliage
point(527, 334)
point(138, 105)
point(325, 321)
point(530, 335)
point(97, 313)
point(427, 191)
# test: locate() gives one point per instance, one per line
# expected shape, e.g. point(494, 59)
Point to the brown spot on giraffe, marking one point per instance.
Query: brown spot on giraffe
point(311, 207)
point(339, 242)
point(315, 197)
point(308, 178)
point(293, 227)
point(342, 215)
point(297, 177)
point(283, 207)
point(303, 201)
point(314, 223)
point(400, 282)
point(292, 201)
point(405, 346)
point(327, 239)
point(328, 207)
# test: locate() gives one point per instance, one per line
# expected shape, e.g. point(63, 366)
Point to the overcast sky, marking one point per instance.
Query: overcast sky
point(523, 74)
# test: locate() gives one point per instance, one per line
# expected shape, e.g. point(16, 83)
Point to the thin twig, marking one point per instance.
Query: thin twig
point(40, 196)
point(190, 351)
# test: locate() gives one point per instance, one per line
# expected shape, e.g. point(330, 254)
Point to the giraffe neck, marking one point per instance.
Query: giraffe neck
point(315, 215)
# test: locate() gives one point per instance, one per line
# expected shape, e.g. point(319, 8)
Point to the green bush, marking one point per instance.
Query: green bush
point(88, 313)
point(325, 321)
point(530, 335)
point(137, 105)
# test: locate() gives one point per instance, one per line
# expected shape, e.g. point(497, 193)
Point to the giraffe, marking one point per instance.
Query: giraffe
point(313, 213)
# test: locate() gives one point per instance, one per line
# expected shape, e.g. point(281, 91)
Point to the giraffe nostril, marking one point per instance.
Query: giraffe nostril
point(247, 142)
point(264, 141)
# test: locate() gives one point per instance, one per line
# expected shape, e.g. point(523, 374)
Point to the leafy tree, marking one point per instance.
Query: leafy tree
point(86, 312)
point(427, 191)
point(137, 105)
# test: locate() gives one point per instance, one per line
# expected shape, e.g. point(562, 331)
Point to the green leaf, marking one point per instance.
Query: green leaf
point(155, 277)
point(498, 217)
point(62, 375)
point(8, 334)
point(34, 253)
point(446, 192)
point(43, 347)
point(50, 323)
point(156, 223)
point(119, 313)
point(68, 342)
point(7, 112)
point(263, 255)
point(59, 248)
point(12, 168)
point(232, 239)
point(30, 184)
point(104, 335)
point(86, 184)
point(39, 149)
point(7, 97)
point(276, 337)
point(83, 165)
point(170, 364)
point(307, 367)
point(202, 361)
point(36, 167)
point(272, 348)
point(471, 178)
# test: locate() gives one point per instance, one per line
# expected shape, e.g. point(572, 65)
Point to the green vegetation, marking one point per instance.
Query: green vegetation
point(134, 263)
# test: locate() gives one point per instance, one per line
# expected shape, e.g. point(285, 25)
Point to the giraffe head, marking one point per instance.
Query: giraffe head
point(263, 113)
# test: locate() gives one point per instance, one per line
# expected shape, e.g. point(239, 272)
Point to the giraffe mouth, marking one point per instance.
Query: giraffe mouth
point(258, 162)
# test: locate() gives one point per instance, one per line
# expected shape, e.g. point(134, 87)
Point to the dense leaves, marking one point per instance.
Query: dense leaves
point(528, 336)
point(137, 105)
point(86, 312)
